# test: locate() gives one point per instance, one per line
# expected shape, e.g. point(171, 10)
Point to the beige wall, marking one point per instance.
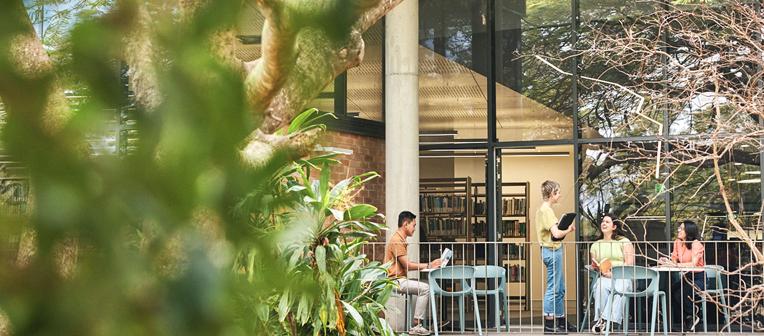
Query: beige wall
point(436, 168)
point(535, 170)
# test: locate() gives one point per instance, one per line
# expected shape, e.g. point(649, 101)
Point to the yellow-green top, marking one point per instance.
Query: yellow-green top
point(612, 250)
point(545, 220)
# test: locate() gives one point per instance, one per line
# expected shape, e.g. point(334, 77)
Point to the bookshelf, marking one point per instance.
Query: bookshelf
point(512, 231)
point(444, 208)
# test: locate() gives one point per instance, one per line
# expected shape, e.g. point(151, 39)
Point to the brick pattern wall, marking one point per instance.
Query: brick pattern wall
point(368, 155)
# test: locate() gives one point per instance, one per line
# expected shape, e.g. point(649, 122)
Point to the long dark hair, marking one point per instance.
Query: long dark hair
point(691, 233)
point(619, 231)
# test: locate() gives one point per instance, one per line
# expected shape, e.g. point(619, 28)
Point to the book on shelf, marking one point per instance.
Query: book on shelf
point(435, 203)
point(507, 228)
point(478, 207)
point(515, 273)
point(510, 206)
point(515, 252)
point(513, 206)
point(512, 228)
point(445, 226)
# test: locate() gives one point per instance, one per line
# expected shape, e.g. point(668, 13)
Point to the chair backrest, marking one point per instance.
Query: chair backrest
point(631, 272)
point(492, 272)
point(464, 275)
point(714, 272)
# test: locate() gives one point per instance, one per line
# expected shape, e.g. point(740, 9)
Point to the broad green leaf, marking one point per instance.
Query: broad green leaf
point(354, 313)
point(283, 306)
point(339, 215)
point(361, 211)
point(321, 258)
point(324, 186)
point(300, 120)
point(303, 309)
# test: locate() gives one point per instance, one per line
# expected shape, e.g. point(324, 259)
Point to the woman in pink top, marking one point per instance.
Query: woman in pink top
point(688, 252)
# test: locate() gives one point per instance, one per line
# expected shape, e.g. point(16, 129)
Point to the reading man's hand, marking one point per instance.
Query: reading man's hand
point(436, 263)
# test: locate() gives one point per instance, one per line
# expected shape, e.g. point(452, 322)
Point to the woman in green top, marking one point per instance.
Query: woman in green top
point(612, 249)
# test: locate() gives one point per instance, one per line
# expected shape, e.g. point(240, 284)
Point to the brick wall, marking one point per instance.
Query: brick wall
point(368, 155)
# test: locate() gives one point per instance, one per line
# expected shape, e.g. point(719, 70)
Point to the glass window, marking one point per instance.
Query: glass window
point(620, 179)
point(364, 82)
point(605, 109)
point(533, 98)
point(695, 193)
point(452, 77)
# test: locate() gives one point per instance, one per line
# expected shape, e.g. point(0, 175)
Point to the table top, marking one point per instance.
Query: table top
point(669, 268)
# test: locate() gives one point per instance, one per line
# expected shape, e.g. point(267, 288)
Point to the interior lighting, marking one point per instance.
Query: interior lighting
point(536, 154)
point(752, 172)
point(750, 181)
point(438, 133)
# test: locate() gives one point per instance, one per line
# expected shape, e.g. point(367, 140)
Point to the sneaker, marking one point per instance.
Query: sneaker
point(562, 324)
point(598, 327)
point(418, 330)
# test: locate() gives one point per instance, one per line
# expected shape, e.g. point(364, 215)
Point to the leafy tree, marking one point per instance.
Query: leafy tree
point(152, 242)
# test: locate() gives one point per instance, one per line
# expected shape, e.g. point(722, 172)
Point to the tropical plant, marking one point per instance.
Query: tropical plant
point(330, 287)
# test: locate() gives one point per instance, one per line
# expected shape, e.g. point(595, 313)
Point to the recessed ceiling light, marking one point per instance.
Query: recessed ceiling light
point(752, 172)
point(738, 164)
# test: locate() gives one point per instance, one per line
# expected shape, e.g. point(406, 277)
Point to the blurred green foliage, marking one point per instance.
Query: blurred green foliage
point(179, 237)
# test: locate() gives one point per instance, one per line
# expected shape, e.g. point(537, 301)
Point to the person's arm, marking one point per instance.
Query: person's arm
point(628, 253)
point(412, 266)
point(675, 251)
point(559, 234)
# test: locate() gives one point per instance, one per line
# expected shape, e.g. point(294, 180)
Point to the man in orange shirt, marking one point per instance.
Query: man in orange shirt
point(396, 252)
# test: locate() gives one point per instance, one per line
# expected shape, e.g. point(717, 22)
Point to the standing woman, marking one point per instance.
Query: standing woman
point(614, 247)
point(688, 252)
point(552, 256)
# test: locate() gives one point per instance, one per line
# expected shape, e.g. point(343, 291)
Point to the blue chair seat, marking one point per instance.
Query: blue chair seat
point(464, 275)
point(499, 276)
point(635, 273)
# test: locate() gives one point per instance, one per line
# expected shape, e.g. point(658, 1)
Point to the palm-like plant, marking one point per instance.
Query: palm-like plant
point(326, 285)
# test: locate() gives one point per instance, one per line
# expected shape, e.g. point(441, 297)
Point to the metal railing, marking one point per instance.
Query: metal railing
point(740, 283)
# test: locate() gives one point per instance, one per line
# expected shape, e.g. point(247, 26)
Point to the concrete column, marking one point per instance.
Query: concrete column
point(402, 115)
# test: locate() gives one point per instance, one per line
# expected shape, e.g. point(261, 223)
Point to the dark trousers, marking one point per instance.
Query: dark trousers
point(685, 295)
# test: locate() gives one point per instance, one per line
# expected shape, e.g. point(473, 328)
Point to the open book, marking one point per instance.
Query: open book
point(445, 257)
point(604, 265)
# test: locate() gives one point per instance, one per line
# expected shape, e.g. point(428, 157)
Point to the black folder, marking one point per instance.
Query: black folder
point(565, 222)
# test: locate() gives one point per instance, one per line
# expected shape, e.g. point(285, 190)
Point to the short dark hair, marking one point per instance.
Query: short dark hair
point(405, 216)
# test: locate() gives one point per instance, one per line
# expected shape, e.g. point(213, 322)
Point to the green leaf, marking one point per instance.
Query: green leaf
point(361, 211)
point(354, 313)
point(303, 309)
point(339, 215)
point(323, 185)
point(283, 306)
point(321, 258)
point(301, 119)
point(339, 188)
